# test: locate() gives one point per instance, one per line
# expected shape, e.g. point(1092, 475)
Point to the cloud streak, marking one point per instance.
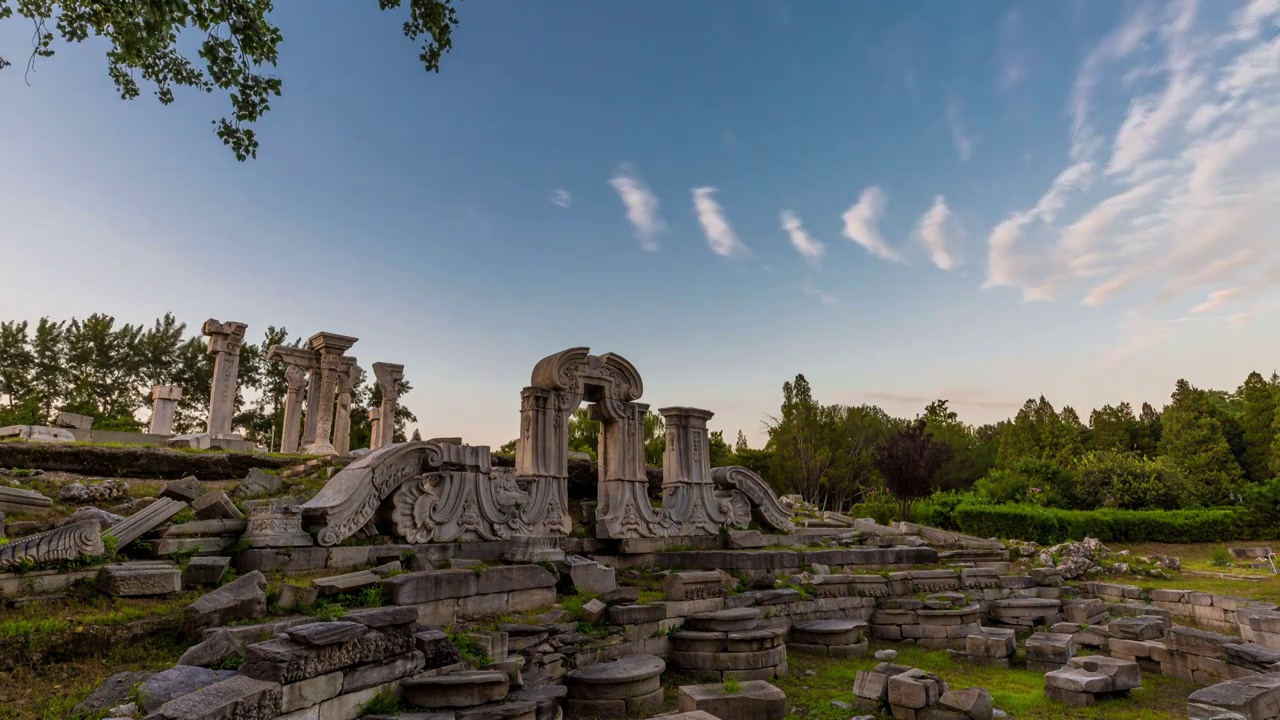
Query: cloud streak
point(809, 247)
point(721, 238)
point(937, 230)
point(862, 224)
point(561, 197)
point(960, 137)
point(641, 205)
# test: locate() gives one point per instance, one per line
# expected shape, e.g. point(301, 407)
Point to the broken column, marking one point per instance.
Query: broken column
point(330, 347)
point(342, 414)
point(164, 404)
point(389, 377)
point(375, 432)
point(688, 494)
point(299, 363)
point(225, 339)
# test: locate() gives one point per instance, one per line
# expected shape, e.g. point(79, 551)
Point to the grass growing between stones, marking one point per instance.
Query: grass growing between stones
point(1017, 691)
point(1200, 573)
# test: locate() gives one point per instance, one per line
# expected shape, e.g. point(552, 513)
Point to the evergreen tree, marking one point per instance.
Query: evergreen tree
point(49, 372)
point(1259, 397)
point(741, 443)
point(16, 363)
point(1114, 428)
point(1038, 432)
point(417, 437)
point(801, 453)
point(718, 451)
point(1192, 439)
point(1149, 431)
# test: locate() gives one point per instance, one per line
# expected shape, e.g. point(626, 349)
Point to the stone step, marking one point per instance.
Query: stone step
point(735, 620)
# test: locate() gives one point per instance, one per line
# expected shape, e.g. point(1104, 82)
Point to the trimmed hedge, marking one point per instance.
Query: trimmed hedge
point(1050, 525)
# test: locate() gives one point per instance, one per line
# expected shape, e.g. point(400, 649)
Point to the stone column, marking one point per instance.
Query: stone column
point(164, 403)
point(313, 405)
point(342, 413)
point(388, 377)
point(330, 348)
point(688, 495)
point(375, 417)
point(298, 364)
point(225, 339)
point(624, 509)
point(295, 376)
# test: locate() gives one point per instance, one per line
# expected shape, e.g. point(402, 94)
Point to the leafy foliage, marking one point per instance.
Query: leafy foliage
point(910, 460)
point(238, 44)
point(1051, 525)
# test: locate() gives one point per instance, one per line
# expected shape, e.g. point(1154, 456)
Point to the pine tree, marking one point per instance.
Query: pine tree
point(1192, 439)
point(417, 437)
point(16, 363)
point(49, 371)
point(1149, 431)
point(1114, 428)
point(1259, 398)
point(741, 443)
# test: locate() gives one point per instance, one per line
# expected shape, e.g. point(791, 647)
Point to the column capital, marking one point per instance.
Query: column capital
point(327, 343)
point(224, 337)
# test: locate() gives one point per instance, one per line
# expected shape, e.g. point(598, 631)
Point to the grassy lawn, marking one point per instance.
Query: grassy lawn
point(1017, 691)
point(1199, 572)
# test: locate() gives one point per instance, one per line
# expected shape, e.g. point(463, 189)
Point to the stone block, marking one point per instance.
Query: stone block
point(1050, 648)
point(73, 421)
point(345, 583)
point(578, 574)
point(19, 501)
point(177, 681)
point(736, 620)
point(509, 578)
point(215, 649)
point(205, 570)
point(294, 597)
point(991, 643)
point(456, 690)
point(1143, 627)
point(145, 520)
point(239, 697)
point(1199, 642)
point(319, 634)
point(286, 660)
point(366, 676)
point(244, 598)
point(697, 585)
point(1069, 697)
point(1080, 611)
point(186, 489)
point(139, 580)
point(311, 691)
point(1124, 674)
point(216, 505)
point(258, 483)
point(1254, 698)
point(907, 692)
point(755, 700)
point(431, 585)
point(746, 540)
point(593, 610)
point(635, 614)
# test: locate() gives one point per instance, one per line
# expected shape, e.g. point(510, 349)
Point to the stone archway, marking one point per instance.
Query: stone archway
point(559, 384)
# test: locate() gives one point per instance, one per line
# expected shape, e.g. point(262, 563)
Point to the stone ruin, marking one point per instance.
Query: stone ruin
point(447, 539)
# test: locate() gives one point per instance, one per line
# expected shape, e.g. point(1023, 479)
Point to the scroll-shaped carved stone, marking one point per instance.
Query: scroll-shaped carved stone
point(763, 500)
point(737, 507)
point(456, 505)
point(351, 497)
point(688, 496)
point(65, 543)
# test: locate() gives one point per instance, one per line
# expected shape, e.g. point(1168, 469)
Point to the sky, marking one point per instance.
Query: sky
point(977, 201)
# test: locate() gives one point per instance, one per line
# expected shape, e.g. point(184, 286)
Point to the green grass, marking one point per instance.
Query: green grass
point(1201, 574)
point(1017, 691)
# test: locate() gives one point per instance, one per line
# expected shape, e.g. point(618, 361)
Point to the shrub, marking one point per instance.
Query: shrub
point(1130, 482)
point(1220, 557)
point(877, 505)
point(732, 685)
point(1032, 481)
point(1050, 525)
point(939, 509)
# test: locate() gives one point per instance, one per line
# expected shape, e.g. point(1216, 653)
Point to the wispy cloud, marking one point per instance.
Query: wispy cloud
point(937, 230)
point(811, 289)
point(562, 197)
point(862, 224)
point(809, 247)
point(720, 236)
point(642, 207)
point(1184, 216)
point(964, 142)
point(1012, 53)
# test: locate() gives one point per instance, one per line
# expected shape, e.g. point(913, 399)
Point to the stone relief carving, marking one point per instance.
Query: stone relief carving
point(764, 502)
point(65, 543)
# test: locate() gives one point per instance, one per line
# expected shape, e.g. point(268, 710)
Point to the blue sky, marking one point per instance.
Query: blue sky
point(982, 201)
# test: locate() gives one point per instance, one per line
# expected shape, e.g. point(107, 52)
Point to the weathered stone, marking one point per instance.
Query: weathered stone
point(185, 489)
point(294, 597)
point(578, 574)
point(735, 620)
point(65, 543)
point(345, 583)
point(1124, 674)
point(456, 690)
point(320, 634)
point(145, 520)
point(1069, 697)
point(636, 614)
point(1079, 680)
point(237, 698)
point(1137, 628)
point(1252, 656)
point(746, 540)
point(509, 578)
point(367, 676)
point(244, 598)
point(258, 483)
point(974, 703)
point(27, 502)
point(753, 700)
point(696, 585)
point(828, 632)
point(205, 570)
point(104, 518)
point(216, 505)
point(430, 585)
point(1255, 698)
point(175, 682)
point(907, 692)
point(1199, 642)
point(1080, 611)
point(871, 685)
point(621, 596)
point(285, 660)
point(310, 692)
point(276, 526)
point(215, 649)
point(381, 617)
point(992, 643)
point(72, 421)
point(139, 580)
point(546, 699)
point(436, 648)
point(1050, 648)
point(164, 405)
point(112, 691)
point(593, 610)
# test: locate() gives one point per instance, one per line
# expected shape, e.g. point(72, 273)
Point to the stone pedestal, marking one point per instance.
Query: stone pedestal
point(389, 377)
point(276, 526)
point(225, 339)
point(164, 404)
point(330, 347)
point(688, 493)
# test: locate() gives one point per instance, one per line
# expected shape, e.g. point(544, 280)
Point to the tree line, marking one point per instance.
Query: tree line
point(97, 367)
point(1204, 448)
